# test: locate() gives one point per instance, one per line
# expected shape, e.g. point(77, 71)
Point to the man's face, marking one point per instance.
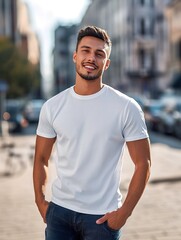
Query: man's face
point(91, 58)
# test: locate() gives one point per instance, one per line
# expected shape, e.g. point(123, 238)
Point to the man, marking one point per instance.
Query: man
point(90, 123)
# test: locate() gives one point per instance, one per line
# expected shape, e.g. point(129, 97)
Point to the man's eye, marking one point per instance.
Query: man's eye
point(99, 55)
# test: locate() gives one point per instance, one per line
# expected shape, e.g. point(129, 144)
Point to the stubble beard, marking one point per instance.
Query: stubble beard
point(88, 77)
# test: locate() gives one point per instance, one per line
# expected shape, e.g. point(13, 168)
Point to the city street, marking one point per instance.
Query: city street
point(67, 51)
point(157, 216)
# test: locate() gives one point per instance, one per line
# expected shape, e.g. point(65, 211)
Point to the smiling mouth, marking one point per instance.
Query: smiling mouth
point(89, 67)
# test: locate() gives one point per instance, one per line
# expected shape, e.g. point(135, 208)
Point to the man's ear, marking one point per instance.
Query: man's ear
point(74, 57)
point(107, 64)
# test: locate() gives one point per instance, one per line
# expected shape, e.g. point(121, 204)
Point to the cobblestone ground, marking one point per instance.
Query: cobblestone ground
point(158, 214)
point(156, 217)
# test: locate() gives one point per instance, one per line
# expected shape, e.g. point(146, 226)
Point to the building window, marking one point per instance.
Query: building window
point(146, 27)
point(142, 2)
point(152, 28)
point(146, 59)
point(3, 6)
point(142, 58)
point(149, 3)
point(142, 27)
point(152, 3)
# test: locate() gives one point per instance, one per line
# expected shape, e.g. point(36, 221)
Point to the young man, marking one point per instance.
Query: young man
point(90, 123)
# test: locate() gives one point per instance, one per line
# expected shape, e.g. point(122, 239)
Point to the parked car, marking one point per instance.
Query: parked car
point(152, 111)
point(169, 118)
point(32, 110)
point(14, 115)
point(177, 118)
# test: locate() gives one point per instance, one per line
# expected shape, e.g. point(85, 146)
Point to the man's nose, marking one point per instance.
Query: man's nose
point(92, 57)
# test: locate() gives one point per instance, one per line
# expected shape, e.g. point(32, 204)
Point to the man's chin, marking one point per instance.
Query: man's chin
point(89, 78)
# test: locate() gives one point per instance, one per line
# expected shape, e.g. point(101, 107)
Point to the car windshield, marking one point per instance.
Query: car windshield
point(12, 110)
point(14, 106)
point(179, 107)
point(156, 108)
point(36, 103)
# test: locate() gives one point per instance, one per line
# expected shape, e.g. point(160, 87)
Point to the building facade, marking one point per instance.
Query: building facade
point(173, 15)
point(28, 40)
point(15, 25)
point(64, 74)
point(8, 19)
point(139, 59)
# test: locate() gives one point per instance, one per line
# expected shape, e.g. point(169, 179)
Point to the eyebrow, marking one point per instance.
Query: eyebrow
point(84, 46)
point(97, 50)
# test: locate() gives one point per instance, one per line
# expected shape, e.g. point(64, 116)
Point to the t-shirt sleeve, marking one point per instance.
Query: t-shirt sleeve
point(45, 127)
point(134, 125)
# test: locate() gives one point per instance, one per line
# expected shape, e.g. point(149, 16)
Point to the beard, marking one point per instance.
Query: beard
point(89, 77)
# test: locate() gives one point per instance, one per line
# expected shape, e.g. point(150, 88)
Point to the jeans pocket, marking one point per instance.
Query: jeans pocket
point(47, 212)
point(113, 232)
point(109, 228)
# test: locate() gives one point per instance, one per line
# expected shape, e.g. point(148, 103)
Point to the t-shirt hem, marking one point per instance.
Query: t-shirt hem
point(82, 210)
point(45, 135)
point(129, 139)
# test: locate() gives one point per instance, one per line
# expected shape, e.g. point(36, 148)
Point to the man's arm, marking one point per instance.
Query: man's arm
point(140, 154)
point(43, 150)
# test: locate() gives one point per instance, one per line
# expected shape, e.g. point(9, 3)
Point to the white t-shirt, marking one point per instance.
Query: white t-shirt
point(91, 132)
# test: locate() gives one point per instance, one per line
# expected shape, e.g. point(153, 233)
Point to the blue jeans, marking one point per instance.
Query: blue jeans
point(65, 224)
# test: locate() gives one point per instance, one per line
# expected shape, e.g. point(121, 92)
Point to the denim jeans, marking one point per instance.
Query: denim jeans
point(65, 224)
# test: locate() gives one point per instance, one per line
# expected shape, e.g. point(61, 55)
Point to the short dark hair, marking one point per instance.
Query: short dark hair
point(93, 31)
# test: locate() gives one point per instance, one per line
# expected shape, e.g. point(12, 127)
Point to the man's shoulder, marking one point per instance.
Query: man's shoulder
point(117, 93)
point(121, 98)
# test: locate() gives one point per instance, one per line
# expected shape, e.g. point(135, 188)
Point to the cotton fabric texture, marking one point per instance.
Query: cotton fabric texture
point(91, 133)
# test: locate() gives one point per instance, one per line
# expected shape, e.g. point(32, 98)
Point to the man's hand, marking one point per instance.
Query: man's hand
point(115, 219)
point(43, 207)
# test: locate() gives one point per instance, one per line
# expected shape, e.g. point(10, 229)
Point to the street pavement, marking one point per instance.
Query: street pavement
point(156, 217)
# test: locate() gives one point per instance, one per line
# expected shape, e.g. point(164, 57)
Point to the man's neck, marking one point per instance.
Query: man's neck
point(85, 87)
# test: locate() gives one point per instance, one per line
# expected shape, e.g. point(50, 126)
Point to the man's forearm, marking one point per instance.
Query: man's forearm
point(140, 154)
point(118, 218)
point(136, 187)
point(43, 150)
point(40, 177)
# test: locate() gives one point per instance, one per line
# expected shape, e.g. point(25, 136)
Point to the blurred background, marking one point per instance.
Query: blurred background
point(37, 39)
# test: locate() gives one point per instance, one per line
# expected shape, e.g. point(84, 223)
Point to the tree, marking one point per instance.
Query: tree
point(22, 77)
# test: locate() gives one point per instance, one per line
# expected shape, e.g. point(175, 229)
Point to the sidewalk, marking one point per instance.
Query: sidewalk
point(157, 216)
point(19, 218)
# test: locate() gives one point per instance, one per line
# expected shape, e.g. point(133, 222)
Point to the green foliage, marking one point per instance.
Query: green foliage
point(22, 77)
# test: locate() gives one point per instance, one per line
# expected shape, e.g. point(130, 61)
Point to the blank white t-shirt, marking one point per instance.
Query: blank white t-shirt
point(91, 132)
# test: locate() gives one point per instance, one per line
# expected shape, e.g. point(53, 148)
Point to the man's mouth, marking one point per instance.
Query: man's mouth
point(89, 67)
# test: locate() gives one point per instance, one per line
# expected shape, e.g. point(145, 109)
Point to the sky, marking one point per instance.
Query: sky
point(45, 16)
